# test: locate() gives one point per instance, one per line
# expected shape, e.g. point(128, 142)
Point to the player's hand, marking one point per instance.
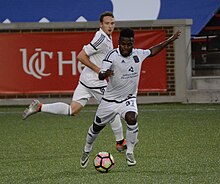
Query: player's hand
point(106, 74)
point(109, 73)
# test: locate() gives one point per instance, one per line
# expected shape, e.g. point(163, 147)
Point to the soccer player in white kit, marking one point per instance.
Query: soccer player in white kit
point(89, 85)
point(122, 66)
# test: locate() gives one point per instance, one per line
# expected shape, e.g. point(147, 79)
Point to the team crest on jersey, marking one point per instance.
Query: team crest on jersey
point(136, 59)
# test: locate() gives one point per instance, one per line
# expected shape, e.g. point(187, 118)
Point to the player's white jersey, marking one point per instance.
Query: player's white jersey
point(96, 50)
point(124, 83)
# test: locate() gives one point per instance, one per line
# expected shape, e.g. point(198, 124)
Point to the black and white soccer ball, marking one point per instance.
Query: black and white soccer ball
point(104, 162)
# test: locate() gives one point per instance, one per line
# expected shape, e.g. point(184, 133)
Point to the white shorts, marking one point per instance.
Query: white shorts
point(107, 111)
point(82, 94)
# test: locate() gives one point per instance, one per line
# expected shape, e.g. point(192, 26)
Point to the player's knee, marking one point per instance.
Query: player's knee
point(75, 108)
point(131, 118)
point(74, 113)
point(97, 128)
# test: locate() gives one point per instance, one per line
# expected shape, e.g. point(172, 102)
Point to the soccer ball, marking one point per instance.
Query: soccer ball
point(104, 162)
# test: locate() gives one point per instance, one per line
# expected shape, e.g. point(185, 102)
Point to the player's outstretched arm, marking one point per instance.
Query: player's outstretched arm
point(159, 47)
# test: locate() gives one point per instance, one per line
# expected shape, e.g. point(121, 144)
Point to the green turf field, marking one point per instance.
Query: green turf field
point(177, 144)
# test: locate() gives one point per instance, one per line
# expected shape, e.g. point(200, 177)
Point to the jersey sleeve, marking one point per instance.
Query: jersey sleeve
point(96, 43)
point(105, 65)
point(143, 54)
point(107, 61)
point(147, 53)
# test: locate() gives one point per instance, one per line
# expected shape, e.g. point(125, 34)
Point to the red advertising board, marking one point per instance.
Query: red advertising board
point(33, 63)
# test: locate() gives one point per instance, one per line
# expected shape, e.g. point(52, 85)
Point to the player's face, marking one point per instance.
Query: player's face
point(126, 45)
point(108, 25)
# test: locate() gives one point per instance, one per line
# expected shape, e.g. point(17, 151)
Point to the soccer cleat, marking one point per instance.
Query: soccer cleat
point(33, 108)
point(84, 160)
point(121, 146)
point(130, 159)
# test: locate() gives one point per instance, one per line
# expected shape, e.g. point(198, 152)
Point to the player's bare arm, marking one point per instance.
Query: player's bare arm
point(105, 74)
point(157, 48)
point(84, 59)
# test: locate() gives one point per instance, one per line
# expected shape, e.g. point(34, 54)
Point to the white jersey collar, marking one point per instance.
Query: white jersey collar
point(118, 51)
point(109, 38)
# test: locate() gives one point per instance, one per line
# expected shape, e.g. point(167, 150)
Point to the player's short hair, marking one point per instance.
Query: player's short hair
point(127, 32)
point(104, 14)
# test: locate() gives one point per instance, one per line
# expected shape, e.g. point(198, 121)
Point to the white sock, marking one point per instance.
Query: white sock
point(117, 128)
point(90, 138)
point(57, 108)
point(131, 137)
